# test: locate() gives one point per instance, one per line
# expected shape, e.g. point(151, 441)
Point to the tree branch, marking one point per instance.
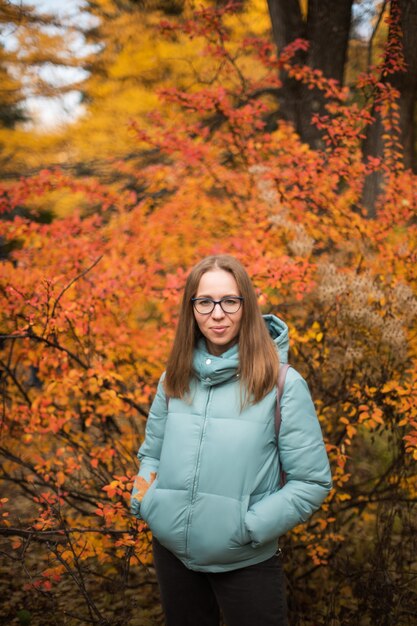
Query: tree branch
point(374, 31)
point(74, 280)
point(59, 535)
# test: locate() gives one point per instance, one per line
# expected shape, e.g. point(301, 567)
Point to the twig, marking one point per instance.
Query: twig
point(7, 369)
point(46, 535)
point(80, 275)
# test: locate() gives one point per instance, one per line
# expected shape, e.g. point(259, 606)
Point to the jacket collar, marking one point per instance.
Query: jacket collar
point(212, 370)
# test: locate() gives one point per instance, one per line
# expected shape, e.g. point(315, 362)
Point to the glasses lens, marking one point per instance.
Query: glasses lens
point(231, 305)
point(204, 306)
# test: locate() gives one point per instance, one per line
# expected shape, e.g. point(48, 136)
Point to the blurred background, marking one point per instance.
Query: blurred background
point(137, 137)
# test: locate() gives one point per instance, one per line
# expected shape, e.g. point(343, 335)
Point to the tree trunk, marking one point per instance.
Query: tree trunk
point(327, 31)
point(406, 84)
point(287, 25)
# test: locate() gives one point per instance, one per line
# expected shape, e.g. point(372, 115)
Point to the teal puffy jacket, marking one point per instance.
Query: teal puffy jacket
point(216, 502)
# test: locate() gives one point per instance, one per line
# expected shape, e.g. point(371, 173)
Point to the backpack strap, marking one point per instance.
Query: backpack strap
point(280, 390)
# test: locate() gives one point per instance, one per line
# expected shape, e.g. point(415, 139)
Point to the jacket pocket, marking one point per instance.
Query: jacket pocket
point(165, 512)
point(144, 505)
point(217, 532)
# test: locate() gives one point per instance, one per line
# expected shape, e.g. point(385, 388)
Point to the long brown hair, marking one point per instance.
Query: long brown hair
point(258, 356)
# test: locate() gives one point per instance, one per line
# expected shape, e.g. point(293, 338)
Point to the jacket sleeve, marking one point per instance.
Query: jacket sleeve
point(304, 460)
point(150, 450)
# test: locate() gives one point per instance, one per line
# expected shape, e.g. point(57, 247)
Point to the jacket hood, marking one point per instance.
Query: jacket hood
point(212, 370)
point(279, 333)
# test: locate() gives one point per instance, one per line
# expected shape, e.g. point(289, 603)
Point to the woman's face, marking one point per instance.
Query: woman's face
point(219, 328)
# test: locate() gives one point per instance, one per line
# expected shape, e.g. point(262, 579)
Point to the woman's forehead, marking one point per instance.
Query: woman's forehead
point(217, 283)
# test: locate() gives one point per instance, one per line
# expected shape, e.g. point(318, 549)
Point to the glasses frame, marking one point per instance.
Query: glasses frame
point(240, 298)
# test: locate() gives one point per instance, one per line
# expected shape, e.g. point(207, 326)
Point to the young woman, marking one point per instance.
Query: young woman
point(211, 459)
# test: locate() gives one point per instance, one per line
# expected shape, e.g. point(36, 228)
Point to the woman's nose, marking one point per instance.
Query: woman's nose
point(217, 312)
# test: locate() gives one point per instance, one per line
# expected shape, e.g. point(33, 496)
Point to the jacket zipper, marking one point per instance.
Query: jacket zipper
point(196, 475)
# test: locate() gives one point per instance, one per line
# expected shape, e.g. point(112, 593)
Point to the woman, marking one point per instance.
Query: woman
point(216, 508)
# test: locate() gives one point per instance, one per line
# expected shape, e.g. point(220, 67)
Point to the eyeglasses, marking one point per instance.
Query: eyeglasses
point(229, 304)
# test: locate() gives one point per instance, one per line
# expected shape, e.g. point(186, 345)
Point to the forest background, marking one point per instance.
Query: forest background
point(282, 132)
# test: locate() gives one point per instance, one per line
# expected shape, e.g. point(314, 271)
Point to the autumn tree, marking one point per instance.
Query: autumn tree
point(42, 57)
point(325, 26)
point(402, 78)
point(11, 97)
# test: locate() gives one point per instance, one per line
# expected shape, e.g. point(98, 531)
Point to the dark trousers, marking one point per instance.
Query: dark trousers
point(249, 596)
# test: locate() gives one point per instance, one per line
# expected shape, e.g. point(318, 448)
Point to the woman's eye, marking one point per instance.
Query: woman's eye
point(205, 303)
point(230, 301)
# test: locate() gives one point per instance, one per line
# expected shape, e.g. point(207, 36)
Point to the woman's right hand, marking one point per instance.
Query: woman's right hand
point(140, 487)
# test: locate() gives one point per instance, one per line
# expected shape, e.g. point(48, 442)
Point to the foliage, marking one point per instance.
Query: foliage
point(133, 61)
point(88, 309)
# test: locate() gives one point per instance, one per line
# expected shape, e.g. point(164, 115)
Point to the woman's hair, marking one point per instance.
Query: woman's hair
point(258, 357)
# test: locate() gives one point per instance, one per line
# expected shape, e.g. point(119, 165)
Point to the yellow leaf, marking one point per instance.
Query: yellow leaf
point(344, 496)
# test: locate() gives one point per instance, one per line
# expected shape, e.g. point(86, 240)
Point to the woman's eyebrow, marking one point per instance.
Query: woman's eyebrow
point(228, 295)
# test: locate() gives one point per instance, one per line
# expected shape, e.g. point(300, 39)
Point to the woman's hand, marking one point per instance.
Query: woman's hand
point(140, 487)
